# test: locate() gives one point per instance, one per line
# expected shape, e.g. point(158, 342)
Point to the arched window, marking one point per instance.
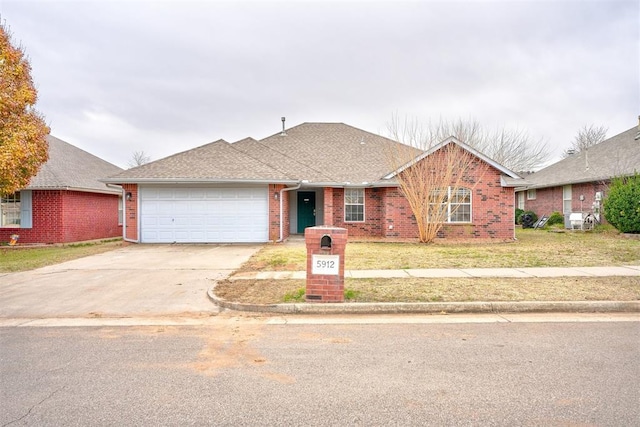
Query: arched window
point(454, 205)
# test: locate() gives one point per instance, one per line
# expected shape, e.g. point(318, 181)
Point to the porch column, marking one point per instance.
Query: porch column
point(328, 206)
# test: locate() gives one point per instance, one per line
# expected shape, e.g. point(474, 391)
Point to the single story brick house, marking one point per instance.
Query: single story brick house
point(579, 182)
point(65, 201)
point(310, 174)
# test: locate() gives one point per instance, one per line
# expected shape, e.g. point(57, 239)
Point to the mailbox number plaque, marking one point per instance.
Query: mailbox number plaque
point(325, 264)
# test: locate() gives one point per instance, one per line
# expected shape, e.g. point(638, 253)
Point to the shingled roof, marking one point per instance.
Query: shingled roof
point(71, 168)
point(616, 156)
point(320, 153)
point(214, 162)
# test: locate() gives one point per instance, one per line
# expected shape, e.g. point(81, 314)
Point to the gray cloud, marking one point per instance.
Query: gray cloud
point(116, 77)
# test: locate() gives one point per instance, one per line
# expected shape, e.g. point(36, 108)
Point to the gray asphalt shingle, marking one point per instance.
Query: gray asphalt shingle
point(70, 167)
point(215, 161)
point(616, 156)
point(315, 152)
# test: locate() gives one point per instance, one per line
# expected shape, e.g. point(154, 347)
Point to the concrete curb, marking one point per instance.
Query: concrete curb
point(433, 307)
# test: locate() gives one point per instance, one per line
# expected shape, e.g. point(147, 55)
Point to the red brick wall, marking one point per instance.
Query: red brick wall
point(274, 212)
point(549, 200)
point(88, 216)
point(372, 225)
point(60, 216)
point(328, 206)
point(325, 287)
point(131, 212)
point(399, 220)
point(388, 214)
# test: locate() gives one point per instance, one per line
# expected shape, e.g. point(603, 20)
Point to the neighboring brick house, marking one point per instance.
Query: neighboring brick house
point(580, 182)
point(65, 202)
point(311, 174)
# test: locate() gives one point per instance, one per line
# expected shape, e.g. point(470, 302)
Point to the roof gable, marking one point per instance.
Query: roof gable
point(466, 147)
point(70, 167)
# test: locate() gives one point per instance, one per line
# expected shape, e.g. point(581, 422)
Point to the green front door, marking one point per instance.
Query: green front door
point(306, 210)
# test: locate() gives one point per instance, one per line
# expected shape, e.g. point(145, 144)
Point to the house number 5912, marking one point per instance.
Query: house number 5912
point(325, 264)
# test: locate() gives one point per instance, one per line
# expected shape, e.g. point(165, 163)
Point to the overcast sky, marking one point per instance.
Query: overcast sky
point(116, 77)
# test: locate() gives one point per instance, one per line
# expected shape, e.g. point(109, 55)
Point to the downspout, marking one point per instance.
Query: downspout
point(281, 207)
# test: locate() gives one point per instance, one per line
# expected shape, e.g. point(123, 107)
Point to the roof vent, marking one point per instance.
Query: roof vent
point(638, 133)
point(283, 133)
point(571, 152)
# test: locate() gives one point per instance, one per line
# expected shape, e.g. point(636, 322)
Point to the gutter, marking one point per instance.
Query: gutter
point(191, 181)
point(281, 207)
point(79, 189)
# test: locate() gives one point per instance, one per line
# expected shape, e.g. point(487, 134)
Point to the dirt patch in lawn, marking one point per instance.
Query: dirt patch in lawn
point(442, 290)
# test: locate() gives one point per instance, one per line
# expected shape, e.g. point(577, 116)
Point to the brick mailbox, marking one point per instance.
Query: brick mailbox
point(325, 263)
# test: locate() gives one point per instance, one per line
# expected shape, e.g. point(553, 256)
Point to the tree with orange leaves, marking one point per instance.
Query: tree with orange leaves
point(23, 131)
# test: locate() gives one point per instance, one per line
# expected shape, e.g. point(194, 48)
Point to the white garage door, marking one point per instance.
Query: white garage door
point(204, 215)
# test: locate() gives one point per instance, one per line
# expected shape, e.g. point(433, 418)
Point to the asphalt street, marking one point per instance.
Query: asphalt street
point(272, 371)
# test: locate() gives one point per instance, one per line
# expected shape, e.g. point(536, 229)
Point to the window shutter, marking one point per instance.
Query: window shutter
point(25, 209)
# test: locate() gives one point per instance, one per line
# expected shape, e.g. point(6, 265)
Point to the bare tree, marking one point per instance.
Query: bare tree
point(513, 149)
point(138, 158)
point(586, 137)
point(437, 184)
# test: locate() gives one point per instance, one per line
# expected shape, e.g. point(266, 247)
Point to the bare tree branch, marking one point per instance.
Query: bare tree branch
point(138, 158)
point(513, 149)
point(586, 137)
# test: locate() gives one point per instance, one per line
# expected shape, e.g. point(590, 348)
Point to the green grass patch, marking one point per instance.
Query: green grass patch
point(294, 296)
point(24, 258)
point(351, 295)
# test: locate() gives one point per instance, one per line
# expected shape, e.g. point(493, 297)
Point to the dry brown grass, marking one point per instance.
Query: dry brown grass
point(534, 248)
point(444, 289)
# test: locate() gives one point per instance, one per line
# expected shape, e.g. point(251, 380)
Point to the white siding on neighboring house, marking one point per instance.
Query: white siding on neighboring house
point(566, 199)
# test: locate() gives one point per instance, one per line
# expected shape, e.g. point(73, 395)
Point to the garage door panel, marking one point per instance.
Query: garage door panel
point(204, 214)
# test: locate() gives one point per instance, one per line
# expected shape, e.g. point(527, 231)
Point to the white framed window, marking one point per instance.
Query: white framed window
point(10, 210)
point(566, 199)
point(531, 194)
point(354, 204)
point(455, 205)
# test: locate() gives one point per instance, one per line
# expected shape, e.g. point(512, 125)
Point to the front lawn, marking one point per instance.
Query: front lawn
point(442, 289)
point(534, 248)
point(27, 258)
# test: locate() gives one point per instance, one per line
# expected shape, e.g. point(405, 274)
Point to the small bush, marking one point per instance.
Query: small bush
point(555, 219)
point(519, 213)
point(622, 205)
point(533, 215)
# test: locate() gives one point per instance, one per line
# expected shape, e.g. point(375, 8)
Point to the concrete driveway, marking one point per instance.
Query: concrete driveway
point(137, 280)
